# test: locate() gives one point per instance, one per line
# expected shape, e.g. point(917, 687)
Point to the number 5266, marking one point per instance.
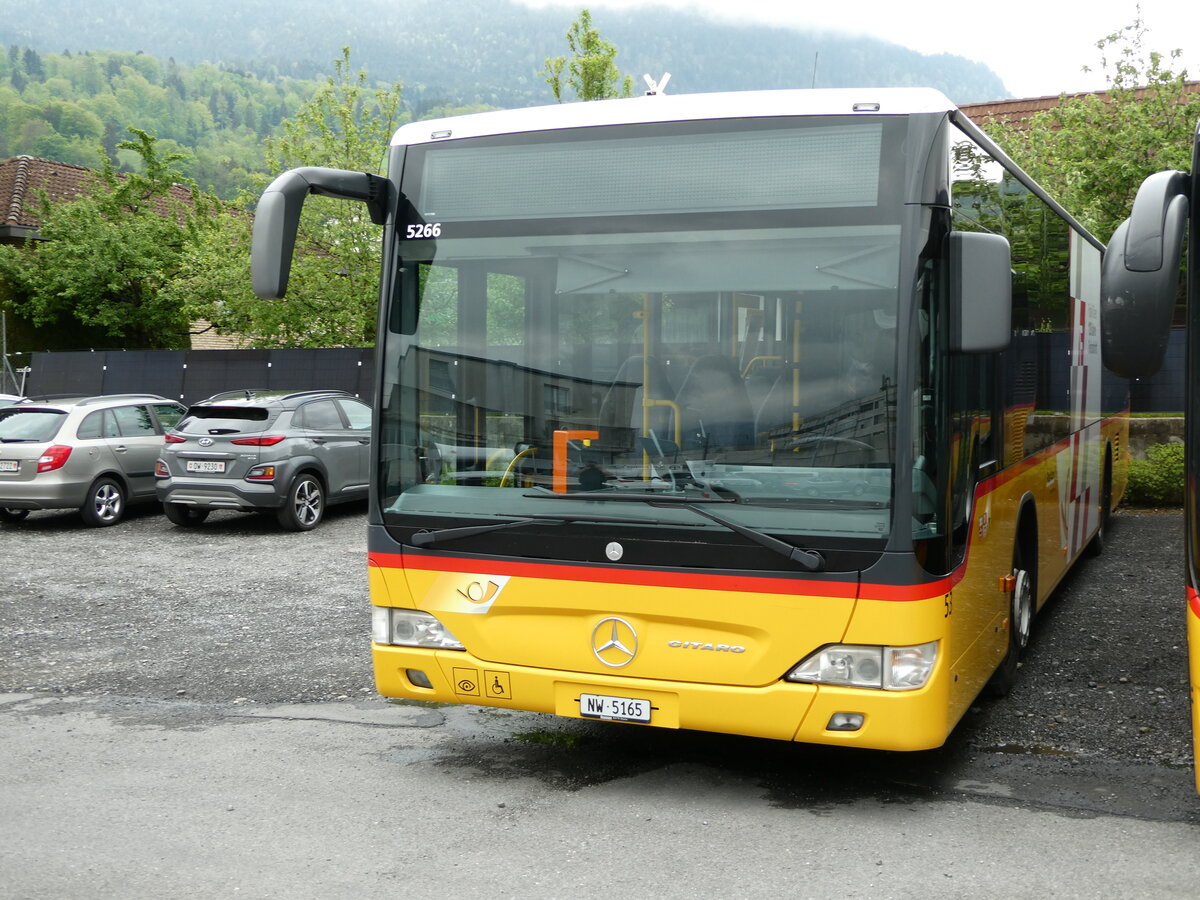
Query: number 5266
point(424, 230)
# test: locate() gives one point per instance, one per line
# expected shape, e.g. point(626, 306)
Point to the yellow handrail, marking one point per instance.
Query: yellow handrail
point(513, 464)
point(759, 359)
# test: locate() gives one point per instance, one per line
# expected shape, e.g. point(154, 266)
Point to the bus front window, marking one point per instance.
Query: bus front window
point(709, 326)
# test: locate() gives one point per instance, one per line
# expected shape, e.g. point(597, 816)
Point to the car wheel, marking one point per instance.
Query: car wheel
point(12, 515)
point(187, 516)
point(303, 506)
point(105, 504)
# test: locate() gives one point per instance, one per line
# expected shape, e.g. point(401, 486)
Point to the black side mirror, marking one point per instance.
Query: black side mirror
point(1140, 276)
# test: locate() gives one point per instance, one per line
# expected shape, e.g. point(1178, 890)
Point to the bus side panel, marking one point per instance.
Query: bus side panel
point(1193, 632)
point(978, 614)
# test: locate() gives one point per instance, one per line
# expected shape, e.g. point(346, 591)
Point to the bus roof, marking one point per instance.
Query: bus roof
point(676, 108)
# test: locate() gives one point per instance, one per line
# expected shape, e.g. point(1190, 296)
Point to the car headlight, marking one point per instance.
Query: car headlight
point(882, 668)
point(410, 628)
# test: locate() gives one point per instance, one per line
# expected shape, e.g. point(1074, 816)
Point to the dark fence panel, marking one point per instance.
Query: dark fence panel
point(213, 371)
point(79, 373)
point(1163, 391)
point(142, 371)
point(192, 375)
point(315, 369)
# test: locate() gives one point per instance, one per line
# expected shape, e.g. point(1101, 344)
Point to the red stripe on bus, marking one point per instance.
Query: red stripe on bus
point(648, 578)
point(1193, 601)
point(606, 575)
point(1020, 468)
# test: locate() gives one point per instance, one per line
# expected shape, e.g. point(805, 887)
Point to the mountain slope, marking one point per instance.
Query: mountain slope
point(483, 51)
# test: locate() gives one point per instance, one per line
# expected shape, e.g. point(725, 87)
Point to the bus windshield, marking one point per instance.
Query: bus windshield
point(696, 311)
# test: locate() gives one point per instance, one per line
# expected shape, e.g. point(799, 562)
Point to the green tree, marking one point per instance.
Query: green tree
point(591, 72)
point(109, 255)
point(1093, 151)
point(334, 287)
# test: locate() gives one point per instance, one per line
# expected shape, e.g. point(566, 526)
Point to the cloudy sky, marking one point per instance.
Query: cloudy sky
point(1036, 46)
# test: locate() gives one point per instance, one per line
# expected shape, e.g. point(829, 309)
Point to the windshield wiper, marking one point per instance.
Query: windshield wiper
point(809, 560)
point(426, 538)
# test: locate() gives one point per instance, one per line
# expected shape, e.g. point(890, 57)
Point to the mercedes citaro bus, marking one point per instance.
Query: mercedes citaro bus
point(717, 411)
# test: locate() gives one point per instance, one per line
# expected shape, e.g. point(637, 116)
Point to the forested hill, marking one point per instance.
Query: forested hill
point(465, 52)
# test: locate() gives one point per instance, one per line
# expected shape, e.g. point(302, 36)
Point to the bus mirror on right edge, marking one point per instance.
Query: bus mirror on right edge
point(1140, 277)
point(980, 292)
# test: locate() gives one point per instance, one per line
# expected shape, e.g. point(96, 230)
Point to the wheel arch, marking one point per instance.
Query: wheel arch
point(1025, 540)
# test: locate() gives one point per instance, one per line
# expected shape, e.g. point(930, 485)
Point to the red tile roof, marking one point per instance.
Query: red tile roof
point(1017, 111)
point(21, 179)
point(23, 176)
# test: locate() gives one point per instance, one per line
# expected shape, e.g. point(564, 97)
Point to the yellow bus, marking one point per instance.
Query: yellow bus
point(1140, 290)
point(717, 411)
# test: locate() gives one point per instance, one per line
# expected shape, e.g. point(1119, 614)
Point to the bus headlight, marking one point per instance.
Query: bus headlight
point(886, 668)
point(410, 628)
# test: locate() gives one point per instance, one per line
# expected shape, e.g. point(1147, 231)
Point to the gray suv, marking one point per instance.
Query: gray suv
point(94, 454)
point(266, 451)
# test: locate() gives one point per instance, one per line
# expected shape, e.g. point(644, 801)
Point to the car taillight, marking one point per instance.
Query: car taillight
point(161, 470)
point(265, 440)
point(173, 439)
point(54, 458)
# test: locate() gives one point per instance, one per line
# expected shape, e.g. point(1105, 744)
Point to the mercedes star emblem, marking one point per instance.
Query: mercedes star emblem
point(614, 642)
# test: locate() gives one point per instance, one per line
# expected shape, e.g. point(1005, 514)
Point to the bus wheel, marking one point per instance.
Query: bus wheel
point(1020, 627)
point(1100, 539)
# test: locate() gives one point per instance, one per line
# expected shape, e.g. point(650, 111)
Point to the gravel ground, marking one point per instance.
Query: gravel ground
point(1106, 671)
point(237, 611)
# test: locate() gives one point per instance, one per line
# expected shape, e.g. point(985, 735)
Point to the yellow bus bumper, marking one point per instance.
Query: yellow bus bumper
point(891, 720)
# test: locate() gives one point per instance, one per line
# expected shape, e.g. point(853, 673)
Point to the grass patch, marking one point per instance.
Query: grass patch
point(562, 739)
point(424, 704)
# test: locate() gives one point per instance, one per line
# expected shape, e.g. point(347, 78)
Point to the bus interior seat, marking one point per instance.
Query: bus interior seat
point(715, 406)
point(620, 415)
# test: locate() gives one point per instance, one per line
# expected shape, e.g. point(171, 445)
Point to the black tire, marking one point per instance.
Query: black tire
point(304, 506)
point(185, 516)
point(12, 515)
point(1022, 606)
point(1100, 539)
point(105, 503)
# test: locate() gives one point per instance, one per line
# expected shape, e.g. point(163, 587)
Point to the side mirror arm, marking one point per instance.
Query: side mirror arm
point(277, 218)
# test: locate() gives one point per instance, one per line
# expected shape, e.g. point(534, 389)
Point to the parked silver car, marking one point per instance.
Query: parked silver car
point(266, 451)
point(94, 454)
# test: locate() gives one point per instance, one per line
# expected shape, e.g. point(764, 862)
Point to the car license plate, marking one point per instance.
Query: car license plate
point(619, 709)
point(205, 465)
point(10, 465)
